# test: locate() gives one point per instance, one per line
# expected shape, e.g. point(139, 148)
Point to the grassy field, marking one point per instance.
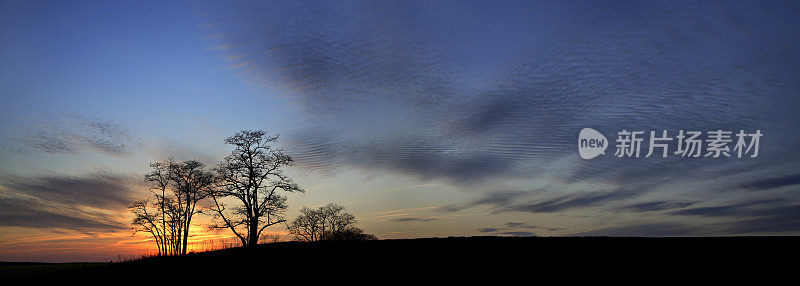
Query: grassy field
point(33, 269)
point(433, 255)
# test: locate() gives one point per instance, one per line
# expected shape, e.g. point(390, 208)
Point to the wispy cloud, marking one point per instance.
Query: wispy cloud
point(771, 183)
point(575, 201)
point(414, 219)
point(781, 219)
point(514, 201)
point(516, 229)
point(743, 208)
point(655, 206)
point(648, 229)
point(497, 199)
point(72, 135)
point(519, 233)
point(89, 204)
point(526, 225)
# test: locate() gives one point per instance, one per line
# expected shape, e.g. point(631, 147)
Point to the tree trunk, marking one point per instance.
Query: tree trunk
point(253, 233)
point(185, 238)
point(186, 233)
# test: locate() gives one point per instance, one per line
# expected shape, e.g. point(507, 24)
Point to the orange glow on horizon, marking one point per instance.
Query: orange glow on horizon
point(23, 244)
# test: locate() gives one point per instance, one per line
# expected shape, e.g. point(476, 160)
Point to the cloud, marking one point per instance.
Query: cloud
point(655, 206)
point(72, 135)
point(783, 219)
point(91, 203)
point(746, 218)
point(415, 89)
point(525, 225)
point(743, 208)
point(22, 213)
point(516, 224)
point(764, 216)
point(512, 201)
point(519, 233)
point(516, 229)
point(574, 201)
point(646, 230)
point(771, 183)
point(405, 88)
point(496, 198)
point(758, 216)
point(413, 219)
point(418, 154)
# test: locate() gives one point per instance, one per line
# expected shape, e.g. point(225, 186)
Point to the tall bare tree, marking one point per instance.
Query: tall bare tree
point(191, 185)
point(153, 214)
point(147, 219)
point(167, 214)
point(252, 176)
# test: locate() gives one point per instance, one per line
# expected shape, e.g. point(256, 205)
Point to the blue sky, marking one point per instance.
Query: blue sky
point(422, 118)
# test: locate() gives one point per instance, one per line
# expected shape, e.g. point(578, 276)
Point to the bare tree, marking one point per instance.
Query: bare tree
point(308, 225)
point(146, 219)
point(335, 219)
point(328, 222)
point(252, 176)
point(167, 214)
point(159, 177)
point(153, 214)
point(191, 185)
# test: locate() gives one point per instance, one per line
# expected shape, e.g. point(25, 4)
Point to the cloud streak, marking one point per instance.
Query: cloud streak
point(647, 230)
point(413, 219)
point(514, 201)
point(742, 208)
point(73, 135)
point(771, 183)
point(655, 206)
point(89, 204)
point(575, 201)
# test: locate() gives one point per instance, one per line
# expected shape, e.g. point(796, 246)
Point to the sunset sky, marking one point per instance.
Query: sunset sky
point(422, 118)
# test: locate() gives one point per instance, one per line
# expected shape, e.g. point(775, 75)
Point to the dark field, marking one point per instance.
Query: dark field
point(29, 269)
point(464, 255)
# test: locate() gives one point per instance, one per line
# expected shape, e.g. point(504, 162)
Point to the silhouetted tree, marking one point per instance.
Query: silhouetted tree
point(308, 225)
point(252, 176)
point(328, 222)
point(160, 178)
point(351, 233)
point(191, 185)
point(147, 219)
point(167, 214)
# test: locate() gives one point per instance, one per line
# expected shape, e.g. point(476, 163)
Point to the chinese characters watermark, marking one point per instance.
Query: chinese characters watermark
point(689, 143)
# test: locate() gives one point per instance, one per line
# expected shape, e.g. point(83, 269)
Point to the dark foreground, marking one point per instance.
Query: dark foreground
point(459, 256)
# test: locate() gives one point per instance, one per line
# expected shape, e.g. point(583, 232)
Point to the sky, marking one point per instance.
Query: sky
point(422, 118)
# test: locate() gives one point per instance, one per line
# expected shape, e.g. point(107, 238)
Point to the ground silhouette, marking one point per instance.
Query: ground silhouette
point(459, 256)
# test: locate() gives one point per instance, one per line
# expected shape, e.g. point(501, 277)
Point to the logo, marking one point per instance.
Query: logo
point(717, 143)
point(591, 143)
